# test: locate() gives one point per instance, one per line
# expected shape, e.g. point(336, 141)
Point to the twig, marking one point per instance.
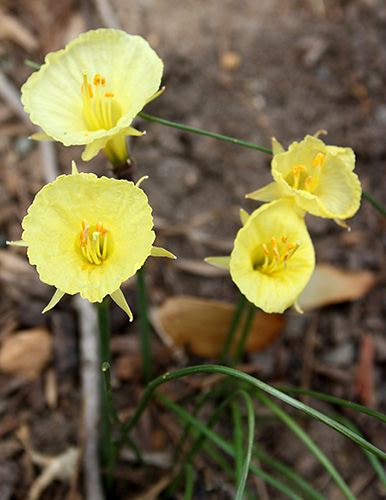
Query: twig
point(12, 97)
point(91, 383)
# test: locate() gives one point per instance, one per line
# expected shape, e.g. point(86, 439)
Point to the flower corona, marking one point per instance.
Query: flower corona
point(87, 234)
point(90, 92)
point(273, 257)
point(319, 178)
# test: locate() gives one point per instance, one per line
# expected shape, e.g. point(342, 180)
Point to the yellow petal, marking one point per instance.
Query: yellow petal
point(244, 216)
point(270, 192)
point(220, 262)
point(74, 168)
point(41, 136)
point(277, 148)
point(19, 243)
point(120, 300)
point(55, 299)
point(161, 252)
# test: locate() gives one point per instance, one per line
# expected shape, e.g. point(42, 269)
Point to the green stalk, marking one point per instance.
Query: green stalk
point(374, 202)
point(244, 335)
point(244, 377)
point(309, 443)
point(237, 440)
point(241, 303)
point(248, 457)
point(144, 326)
point(203, 132)
point(189, 482)
point(336, 401)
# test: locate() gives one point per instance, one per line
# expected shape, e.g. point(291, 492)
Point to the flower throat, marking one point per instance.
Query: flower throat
point(97, 103)
point(93, 244)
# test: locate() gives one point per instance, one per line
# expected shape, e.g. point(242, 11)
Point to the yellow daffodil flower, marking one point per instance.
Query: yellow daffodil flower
point(90, 92)
point(319, 178)
point(273, 257)
point(87, 234)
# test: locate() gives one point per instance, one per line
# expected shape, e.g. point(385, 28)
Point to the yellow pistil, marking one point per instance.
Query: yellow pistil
point(93, 246)
point(296, 171)
point(97, 103)
point(278, 256)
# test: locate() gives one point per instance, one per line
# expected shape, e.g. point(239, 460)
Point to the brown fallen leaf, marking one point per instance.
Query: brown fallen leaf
point(331, 285)
point(26, 353)
point(202, 325)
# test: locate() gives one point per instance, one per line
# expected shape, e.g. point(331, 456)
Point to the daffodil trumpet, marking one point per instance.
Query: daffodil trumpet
point(319, 178)
point(88, 235)
point(273, 257)
point(89, 92)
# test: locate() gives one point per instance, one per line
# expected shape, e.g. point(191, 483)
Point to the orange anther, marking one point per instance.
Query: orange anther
point(90, 92)
point(103, 81)
point(284, 238)
point(318, 160)
point(265, 249)
point(97, 79)
point(273, 242)
point(109, 94)
point(299, 168)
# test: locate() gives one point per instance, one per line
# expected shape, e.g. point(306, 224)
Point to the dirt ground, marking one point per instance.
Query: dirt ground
point(250, 70)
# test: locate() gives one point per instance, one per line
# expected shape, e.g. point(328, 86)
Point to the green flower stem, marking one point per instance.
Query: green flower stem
point(256, 383)
point(237, 440)
point(108, 453)
point(335, 401)
point(244, 335)
point(374, 202)
point(144, 326)
point(189, 482)
point(203, 132)
point(291, 424)
point(241, 303)
point(32, 64)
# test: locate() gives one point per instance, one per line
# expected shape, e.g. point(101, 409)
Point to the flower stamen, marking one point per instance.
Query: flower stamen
point(296, 171)
point(94, 246)
point(311, 181)
point(97, 104)
point(279, 255)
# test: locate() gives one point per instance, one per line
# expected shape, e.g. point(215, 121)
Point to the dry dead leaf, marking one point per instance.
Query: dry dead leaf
point(26, 353)
point(202, 325)
point(331, 285)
